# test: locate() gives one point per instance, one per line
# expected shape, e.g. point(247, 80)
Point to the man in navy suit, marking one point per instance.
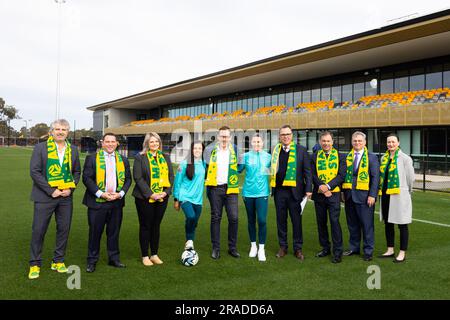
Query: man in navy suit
point(289, 198)
point(360, 195)
point(105, 199)
point(328, 174)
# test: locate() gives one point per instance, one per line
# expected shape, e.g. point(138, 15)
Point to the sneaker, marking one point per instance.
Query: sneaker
point(34, 272)
point(60, 267)
point(261, 255)
point(253, 251)
point(189, 245)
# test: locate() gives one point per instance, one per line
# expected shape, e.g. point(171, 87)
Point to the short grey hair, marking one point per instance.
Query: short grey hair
point(359, 133)
point(62, 122)
point(147, 138)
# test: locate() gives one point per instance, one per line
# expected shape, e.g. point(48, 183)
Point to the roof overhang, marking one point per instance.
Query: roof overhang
point(416, 39)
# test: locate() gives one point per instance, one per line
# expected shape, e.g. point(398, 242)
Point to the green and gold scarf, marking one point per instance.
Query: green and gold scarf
point(362, 182)
point(328, 167)
point(233, 179)
point(159, 173)
point(100, 173)
point(291, 171)
point(59, 176)
point(393, 179)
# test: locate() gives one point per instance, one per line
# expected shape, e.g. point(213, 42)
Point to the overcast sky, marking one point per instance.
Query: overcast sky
point(114, 48)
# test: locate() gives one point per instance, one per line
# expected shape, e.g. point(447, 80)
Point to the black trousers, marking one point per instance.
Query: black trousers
point(150, 217)
point(218, 198)
point(284, 202)
point(111, 217)
point(389, 227)
point(333, 209)
point(43, 211)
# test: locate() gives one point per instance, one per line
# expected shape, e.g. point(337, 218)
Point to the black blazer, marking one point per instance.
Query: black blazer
point(141, 175)
point(360, 196)
point(304, 177)
point(41, 190)
point(337, 181)
point(90, 181)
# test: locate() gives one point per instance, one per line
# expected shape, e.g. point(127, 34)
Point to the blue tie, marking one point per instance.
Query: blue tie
point(355, 163)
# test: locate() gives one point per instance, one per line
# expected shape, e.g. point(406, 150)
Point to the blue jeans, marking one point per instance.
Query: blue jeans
point(192, 213)
point(257, 208)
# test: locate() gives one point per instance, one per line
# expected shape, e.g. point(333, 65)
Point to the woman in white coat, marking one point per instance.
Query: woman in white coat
point(396, 183)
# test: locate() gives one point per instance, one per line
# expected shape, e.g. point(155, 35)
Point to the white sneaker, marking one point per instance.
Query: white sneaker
point(189, 245)
point(253, 250)
point(261, 254)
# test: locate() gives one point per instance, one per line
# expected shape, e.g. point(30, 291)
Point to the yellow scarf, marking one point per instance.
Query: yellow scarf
point(290, 179)
point(159, 173)
point(59, 176)
point(362, 182)
point(328, 167)
point(100, 174)
point(233, 179)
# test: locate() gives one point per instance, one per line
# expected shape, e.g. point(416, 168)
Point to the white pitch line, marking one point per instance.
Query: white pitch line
point(418, 220)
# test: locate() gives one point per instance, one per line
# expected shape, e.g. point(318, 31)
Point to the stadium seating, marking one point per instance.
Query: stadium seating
point(367, 102)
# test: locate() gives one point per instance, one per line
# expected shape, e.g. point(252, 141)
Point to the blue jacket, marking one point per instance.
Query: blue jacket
point(190, 190)
point(257, 166)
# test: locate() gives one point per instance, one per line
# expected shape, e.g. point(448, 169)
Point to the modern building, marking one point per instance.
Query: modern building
point(392, 79)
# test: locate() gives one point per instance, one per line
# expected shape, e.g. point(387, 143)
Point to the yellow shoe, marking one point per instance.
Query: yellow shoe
point(34, 272)
point(60, 267)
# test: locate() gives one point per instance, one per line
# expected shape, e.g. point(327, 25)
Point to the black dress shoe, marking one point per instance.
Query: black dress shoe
point(322, 253)
point(350, 253)
point(90, 268)
point(215, 254)
point(116, 264)
point(367, 257)
point(234, 253)
point(382, 256)
point(281, 253)
point(337, 259)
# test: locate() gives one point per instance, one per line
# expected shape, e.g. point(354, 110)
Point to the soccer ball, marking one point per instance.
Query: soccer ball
point(189, 258)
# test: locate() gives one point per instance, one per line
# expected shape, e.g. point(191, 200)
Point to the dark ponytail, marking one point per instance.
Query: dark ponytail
point(190, 169)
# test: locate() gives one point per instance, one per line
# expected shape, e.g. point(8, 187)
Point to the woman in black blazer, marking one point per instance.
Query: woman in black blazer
point(151, 194)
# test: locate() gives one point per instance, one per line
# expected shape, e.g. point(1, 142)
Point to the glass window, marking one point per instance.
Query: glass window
point(255, 102)
point(387, 83)
point(417, 79)
point(434, 77)
point(347, 90)
point(315, 92)
point(371, 86)
point(297, 96)
point(325, 91)
point(401, 81)
point(417, 142)
point(273, 98)
point(228, 106)
point(405, 140)
point(336, 92)
point(289, 98)
point(281, 98)
point(261, 100)
point(250, 103)
point(268, 100)
point(447, 75)
point(358, 88)
point(306, 94)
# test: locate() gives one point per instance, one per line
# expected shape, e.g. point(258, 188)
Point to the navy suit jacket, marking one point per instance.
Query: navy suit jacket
point(360, 196)
point(337, 181)
point(304, 177)
point(42, 191)
point(90, 181)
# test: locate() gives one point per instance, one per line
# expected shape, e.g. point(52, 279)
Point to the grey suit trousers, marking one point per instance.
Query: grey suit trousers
point(43, 211)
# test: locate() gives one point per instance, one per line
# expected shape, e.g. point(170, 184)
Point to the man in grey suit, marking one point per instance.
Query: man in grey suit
point(55, 170)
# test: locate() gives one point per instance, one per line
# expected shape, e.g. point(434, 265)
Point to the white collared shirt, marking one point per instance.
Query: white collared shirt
point(223, 161)
point(99, 193)
point(61, 154)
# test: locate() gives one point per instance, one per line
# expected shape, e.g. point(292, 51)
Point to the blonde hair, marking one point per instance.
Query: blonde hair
point(147, 138)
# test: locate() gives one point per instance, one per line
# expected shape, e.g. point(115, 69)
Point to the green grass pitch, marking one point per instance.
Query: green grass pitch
point(425, 274)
